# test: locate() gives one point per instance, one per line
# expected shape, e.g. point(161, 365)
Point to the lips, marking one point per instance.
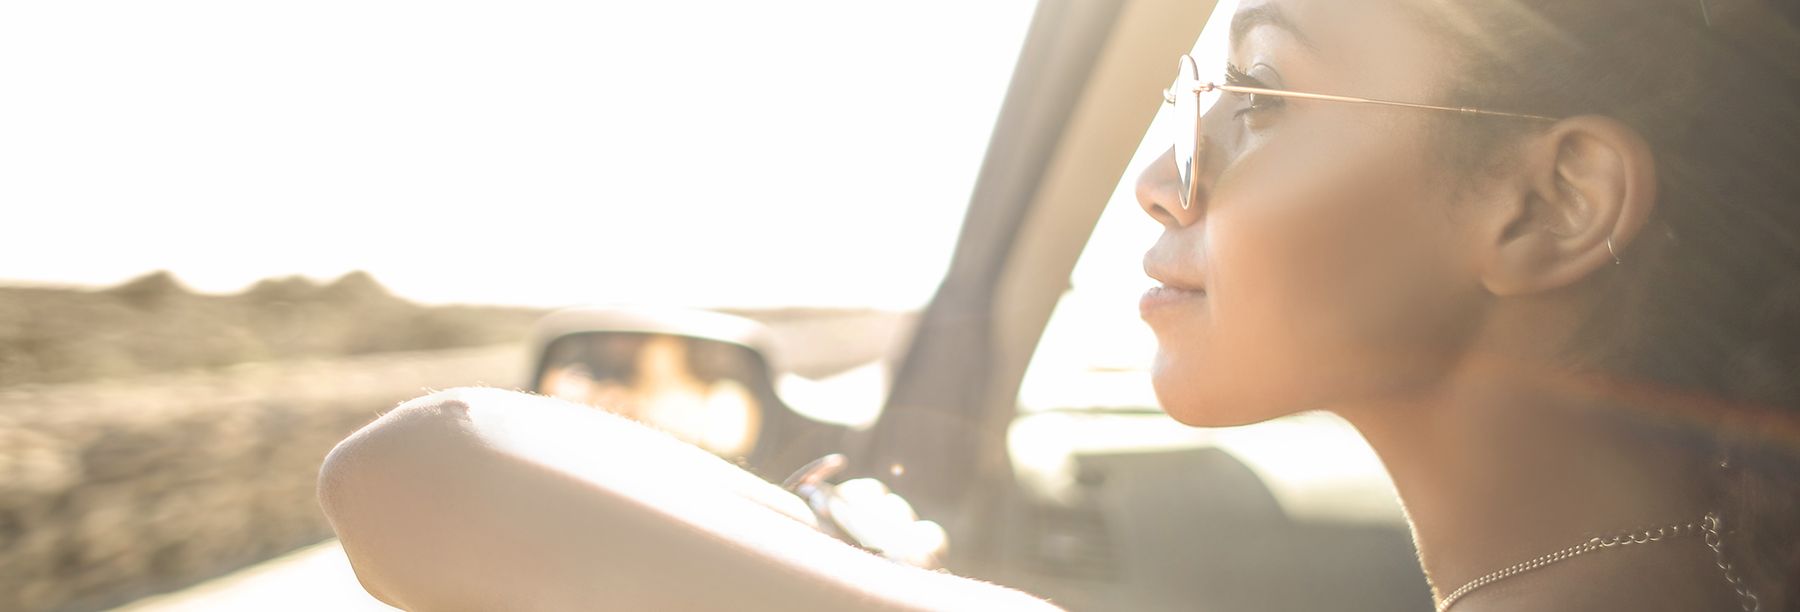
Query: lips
point(1172, 279)
point(1179, 287)
point(1165, 299)
point(1186, 287)
point(1175, 296)
point(1179, 291)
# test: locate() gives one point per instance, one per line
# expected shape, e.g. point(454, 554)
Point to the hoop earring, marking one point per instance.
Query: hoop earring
point(1615, 254)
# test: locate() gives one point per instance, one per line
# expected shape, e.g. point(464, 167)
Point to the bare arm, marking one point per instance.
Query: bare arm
point(488, 499)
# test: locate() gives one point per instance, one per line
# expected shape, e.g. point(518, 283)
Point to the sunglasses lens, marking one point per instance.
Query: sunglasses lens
point(1187, 126)
point(1189, 106)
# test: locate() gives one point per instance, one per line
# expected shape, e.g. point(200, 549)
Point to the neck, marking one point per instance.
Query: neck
point(1500, 466)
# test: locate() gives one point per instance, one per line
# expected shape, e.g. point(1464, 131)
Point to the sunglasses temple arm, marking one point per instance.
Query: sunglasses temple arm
point(1331, 98)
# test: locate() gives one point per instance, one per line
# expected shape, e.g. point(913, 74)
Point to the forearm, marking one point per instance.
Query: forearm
point(484, 499)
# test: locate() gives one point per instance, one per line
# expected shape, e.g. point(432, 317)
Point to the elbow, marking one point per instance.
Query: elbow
point(429, 428)
point(369, 485)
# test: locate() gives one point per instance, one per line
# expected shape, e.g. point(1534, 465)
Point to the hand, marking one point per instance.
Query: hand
point(864, 512)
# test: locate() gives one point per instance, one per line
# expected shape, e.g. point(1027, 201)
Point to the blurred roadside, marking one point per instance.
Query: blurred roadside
point(114, 490)
point(158, 441)
point(154, 323)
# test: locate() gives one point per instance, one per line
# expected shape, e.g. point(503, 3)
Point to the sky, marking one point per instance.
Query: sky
point(704, 153)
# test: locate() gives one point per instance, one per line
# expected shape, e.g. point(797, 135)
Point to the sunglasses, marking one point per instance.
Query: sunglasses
point(1193, 98)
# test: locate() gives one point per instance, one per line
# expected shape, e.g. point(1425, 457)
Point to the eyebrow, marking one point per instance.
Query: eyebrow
point(1268, 14)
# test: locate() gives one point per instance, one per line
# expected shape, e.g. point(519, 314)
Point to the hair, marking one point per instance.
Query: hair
point(1707, 303)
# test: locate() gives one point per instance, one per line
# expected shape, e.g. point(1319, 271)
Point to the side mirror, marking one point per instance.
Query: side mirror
point(702, 391)
point(704, 377)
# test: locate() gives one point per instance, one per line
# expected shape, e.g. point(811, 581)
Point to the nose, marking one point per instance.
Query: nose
point(1159, 193)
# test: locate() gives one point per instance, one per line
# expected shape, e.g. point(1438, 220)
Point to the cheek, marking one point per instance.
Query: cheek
point(1331, 289)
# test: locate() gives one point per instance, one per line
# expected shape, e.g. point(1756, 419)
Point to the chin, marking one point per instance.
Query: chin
point(1213, 397)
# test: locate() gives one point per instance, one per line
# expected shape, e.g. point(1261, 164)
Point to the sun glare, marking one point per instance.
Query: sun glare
point(540, 153)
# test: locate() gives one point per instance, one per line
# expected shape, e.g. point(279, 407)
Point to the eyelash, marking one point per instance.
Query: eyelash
point(1236, 76)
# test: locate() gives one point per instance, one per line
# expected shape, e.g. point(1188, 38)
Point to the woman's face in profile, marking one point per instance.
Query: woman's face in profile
point(1325, 235)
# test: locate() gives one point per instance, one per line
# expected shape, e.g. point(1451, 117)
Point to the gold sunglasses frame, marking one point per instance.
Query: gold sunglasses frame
point(1190, 191)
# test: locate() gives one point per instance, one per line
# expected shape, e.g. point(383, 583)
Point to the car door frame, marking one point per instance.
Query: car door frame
point(1087, 84)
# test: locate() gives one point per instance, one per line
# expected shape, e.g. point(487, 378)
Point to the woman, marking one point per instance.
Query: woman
point(1552, 305)
point(1547, 261)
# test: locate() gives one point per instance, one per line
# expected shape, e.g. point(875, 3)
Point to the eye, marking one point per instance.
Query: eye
point(1260, 102)
point(1252, 102)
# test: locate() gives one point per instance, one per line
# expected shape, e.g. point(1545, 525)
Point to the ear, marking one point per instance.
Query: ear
point(1585, 182)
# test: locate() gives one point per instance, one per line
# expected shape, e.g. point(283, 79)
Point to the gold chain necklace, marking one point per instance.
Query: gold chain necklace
point(1708, 525)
